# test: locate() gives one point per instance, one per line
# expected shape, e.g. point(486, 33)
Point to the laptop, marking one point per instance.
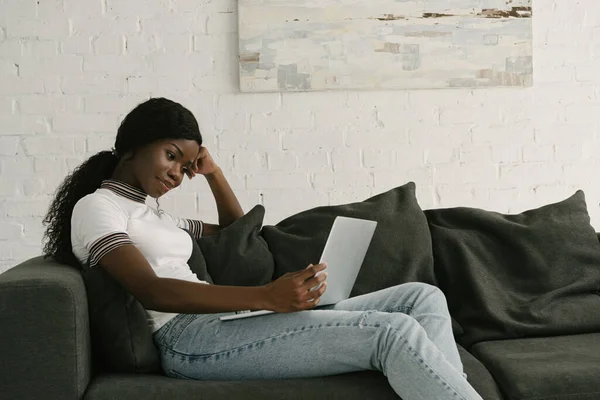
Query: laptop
point(344, 253)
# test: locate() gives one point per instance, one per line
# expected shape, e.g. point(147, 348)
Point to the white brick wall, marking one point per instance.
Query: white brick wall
point(70, 70)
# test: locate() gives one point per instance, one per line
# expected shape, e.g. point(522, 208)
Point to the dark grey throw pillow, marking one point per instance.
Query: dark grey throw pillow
point(531, 274)
point(238, 255)
point(400, 250)
point(121, 337)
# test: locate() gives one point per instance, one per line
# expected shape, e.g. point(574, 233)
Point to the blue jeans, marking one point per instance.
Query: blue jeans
point(403, 331)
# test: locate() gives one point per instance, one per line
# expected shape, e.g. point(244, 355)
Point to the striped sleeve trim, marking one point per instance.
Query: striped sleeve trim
point(106, 243)
point(196, 227)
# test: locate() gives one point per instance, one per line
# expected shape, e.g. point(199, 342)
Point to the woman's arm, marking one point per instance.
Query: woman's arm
point(291, 292)
point(228, 207)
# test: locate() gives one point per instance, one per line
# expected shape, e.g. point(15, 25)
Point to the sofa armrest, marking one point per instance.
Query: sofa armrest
point(44, 332)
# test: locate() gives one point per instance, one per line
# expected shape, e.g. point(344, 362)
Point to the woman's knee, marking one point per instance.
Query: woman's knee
point(430, 293)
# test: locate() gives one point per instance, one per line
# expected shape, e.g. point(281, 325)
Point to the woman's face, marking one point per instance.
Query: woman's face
point(162, 165)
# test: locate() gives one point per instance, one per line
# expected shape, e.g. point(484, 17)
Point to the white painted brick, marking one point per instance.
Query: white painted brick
point(470, 115)
point(378, 159)
point(278, 180)
point(64, 64)
point(409, 158)
point(571, 153)
point(16, 166)
point(309, 101)
point(581, 174)
point(385, 180)
point(537, 153)
point(15, 86)
point(40, 48)
point(7, 106)
point(170, 23)
point(10, 231)
point(125, 65)
point(93, 83)
point(142, 44)
point(8, 69)
point(249, 163)
point(587, 73)
point(391, 116)
point(22, 124)
point(104, 25)
point(463, 174)
point(548, 74)
point(50, 105)
point(112, 104)
point(280, 119)
point(49, 9)
point(45, 185)
point(314, 161)
point(8, 185)
point(177, 44)
point(187, 65)
point(23, 252)
point(449, 195)
point(503, 135)
point(9, 145)
point(38, 28)
point(91, 8)
point(11, 48)
point(364, 118)
point(440, 155)
point(282, 203)
point(301, 140)
point(18, 8)
point(337, 197)
point(346, 160)
point(97, 143)
point(6, 251)
point(334, 180)
point(222, 22)
point(477, 154)
point(252, 103)
point(506, 154)
point(84, 123)
point(53, 145)
point(79, 44)
point(531, 173)
point(377, 139)
point(581, 113)
point(281, 161)
point(234, 121)
point(565, 133)
point(48, 165)
point(27, 208)
point(112, 45)
point(440, 136)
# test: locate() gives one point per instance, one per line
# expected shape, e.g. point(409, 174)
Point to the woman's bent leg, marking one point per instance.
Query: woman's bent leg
point(425, 303)
point(309, 344)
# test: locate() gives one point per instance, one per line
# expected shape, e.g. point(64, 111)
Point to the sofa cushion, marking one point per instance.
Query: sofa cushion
point(545, 368)
point(237, 255)
point(400, 250)
point(529, 274)
point(121, 338)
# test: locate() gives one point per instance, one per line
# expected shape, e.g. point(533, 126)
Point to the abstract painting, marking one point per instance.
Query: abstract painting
point(309, 45)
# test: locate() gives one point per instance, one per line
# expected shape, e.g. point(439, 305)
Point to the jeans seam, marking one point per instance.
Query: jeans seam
point(298, 330)
point(415, 353)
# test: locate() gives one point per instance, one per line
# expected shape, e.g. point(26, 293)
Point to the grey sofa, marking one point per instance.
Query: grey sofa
point(45, 348)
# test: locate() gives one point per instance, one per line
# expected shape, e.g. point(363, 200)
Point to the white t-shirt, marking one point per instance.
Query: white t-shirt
point(116, 214)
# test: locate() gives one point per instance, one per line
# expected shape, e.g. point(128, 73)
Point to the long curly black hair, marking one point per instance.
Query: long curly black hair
point(152, 120)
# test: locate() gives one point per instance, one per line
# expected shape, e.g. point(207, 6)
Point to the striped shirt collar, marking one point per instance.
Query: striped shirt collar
point(125, 190)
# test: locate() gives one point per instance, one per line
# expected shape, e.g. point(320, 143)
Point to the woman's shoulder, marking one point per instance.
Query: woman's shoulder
point(95, 202)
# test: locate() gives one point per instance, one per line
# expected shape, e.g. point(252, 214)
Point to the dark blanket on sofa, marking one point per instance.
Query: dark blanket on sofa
point(508, 276)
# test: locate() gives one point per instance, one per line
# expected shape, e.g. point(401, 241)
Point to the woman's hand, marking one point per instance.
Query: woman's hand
point(204, 165)
point(291, 292)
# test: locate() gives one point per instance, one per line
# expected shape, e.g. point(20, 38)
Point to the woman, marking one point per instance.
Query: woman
point(99, 216)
